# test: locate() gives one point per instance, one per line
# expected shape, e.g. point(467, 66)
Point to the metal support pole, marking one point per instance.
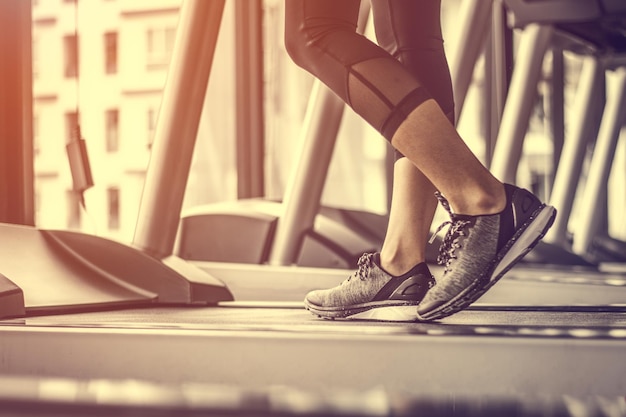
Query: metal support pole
point(489, 118)
point(502, 45)
point(520, 99)
point(567, 175)
point(555, 105)
point(16, 114)
point(601, 162)
point(250, 116)
point(304, 190)
point(177, 126)
point(497, 76)
point(471, 35)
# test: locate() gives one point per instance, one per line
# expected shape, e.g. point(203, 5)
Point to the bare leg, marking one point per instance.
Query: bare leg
point(430, 141)
point(410, 218)
point(410, 32)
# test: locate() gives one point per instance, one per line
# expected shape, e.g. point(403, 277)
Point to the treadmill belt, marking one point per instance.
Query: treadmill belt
point(464, 357)
point(507, 321)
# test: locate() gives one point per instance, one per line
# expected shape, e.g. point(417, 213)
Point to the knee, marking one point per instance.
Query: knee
point(297, 44)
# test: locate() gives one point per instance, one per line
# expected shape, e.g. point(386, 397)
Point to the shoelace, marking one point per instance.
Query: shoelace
point(450, 242)
point(363, 267)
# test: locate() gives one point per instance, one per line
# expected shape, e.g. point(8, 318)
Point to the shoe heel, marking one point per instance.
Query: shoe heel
point(527, 240)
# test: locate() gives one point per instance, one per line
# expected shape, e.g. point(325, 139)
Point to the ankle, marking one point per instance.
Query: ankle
point(480, 202)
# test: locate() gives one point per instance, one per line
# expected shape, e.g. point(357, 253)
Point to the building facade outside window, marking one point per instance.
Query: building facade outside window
point(112, 130)
point(35, 56)
point(151, 121)
point(36, 142)
point(110, 52)
point(73, 210)
point(113, 201)
point(70, 47)
point(71, 126)
point(159, 46)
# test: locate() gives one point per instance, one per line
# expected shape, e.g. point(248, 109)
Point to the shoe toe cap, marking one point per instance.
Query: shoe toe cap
point(315, 298)
point(429, 304)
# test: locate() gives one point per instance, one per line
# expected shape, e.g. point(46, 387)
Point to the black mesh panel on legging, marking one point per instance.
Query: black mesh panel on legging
point(411, 32)
point(320, 36)
point(384, 93)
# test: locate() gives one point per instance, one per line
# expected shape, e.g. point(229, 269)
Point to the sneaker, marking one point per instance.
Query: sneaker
point(478, 250)
point(373, 294)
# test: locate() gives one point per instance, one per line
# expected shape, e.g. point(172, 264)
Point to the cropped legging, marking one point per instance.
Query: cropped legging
point(382, 82)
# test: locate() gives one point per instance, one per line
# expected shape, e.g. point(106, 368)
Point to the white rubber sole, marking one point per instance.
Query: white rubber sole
point(406, 312)
point(396, 313)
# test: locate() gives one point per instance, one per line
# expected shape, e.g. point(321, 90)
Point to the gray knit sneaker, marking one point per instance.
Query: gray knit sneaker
point(373, 294)
point(478, 250)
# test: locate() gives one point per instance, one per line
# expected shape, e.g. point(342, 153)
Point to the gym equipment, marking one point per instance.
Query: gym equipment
point(589, 28)
point(247, 230)
point(46, 271)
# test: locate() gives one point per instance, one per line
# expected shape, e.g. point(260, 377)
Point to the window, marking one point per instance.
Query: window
point(112, 130)
point(36, 142)
point(160, 43)
point(110, 52)
point(73, 209)
point(152, 119)
point(35, 57)
point(113, 201)
point(70, 43)
point(37, 203)
point(71, 126)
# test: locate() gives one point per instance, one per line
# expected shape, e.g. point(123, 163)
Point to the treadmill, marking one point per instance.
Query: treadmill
point(80, 311)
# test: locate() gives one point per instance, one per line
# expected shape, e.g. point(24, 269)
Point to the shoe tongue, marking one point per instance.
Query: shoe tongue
point(376, 258)
point(455, 217)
